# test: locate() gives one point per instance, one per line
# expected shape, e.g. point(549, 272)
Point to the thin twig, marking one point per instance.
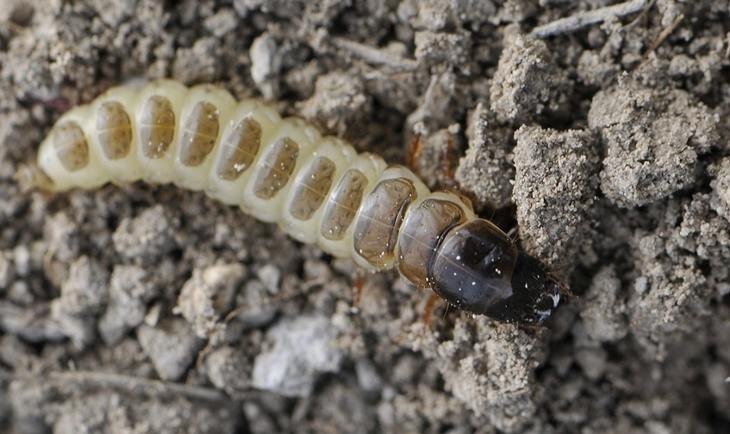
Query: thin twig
point(17, 28)
point(129, 384)
point(637, 19)
point(660, 39)
point(276, 300)
point(588, 18)
point(374, 56)
point(664, 35)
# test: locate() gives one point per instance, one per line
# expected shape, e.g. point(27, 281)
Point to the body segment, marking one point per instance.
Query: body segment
point(318, 189)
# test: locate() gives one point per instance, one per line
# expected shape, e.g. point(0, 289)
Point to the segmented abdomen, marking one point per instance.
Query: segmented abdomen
point(318, 189)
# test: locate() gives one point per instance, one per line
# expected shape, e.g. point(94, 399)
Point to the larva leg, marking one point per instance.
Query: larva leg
point(358, 284)
point(431, 304)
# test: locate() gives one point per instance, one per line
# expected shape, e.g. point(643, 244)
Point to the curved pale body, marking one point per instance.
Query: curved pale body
point(163, 162)
point(317, 189)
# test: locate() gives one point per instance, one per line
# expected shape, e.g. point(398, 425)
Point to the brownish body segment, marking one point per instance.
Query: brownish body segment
point(200, 132)
point(313, 189)
point(376, 230)
point(477, 261)
point(115, 130)
point(421, 235)
point(71, 146)
point(342, 207)
point(156, 126)
point(278, 167)
point(239, 150)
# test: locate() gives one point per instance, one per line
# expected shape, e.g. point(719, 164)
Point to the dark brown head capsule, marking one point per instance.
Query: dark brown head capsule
point(477, 268)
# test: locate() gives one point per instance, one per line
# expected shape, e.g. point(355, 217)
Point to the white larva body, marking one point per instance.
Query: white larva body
point(317, 189)
point(169, 167)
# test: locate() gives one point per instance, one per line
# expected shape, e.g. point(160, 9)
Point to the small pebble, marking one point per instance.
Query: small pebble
point(146, 237)
point(270, 276)
point(266, 63)
point(527, 83)
point(130, 290)
point(208, 295)
point(86, 290)
point(7, 271)
point(303, 349)
point(229, 369)
point(171, 346)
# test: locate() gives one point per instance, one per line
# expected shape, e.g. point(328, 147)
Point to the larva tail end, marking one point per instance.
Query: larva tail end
point(31, 177)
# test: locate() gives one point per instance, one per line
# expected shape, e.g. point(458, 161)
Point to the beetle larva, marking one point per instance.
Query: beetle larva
point(318, 189)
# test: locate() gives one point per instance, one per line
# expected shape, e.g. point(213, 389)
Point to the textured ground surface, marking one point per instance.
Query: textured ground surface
point(143, 308)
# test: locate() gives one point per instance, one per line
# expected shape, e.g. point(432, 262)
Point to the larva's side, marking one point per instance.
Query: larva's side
point(318, 189)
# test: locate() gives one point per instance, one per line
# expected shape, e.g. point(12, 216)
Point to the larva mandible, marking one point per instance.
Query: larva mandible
point(318, 189)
